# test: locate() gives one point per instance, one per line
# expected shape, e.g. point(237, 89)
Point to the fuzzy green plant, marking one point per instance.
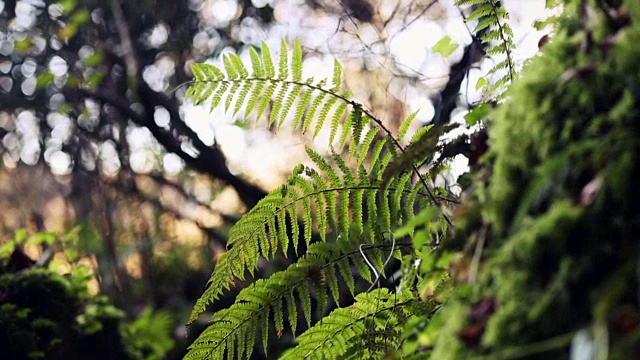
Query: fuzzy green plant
point(556, 245)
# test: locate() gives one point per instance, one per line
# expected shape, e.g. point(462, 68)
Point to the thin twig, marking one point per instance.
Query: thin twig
point(373, 268)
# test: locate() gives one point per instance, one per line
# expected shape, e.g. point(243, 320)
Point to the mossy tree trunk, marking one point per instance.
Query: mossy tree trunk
point(555, 227)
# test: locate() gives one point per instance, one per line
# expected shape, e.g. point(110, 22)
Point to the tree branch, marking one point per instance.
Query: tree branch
point(210, 160)
point(128, 50)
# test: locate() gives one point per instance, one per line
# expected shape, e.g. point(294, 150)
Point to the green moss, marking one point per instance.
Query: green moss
point(562, 200)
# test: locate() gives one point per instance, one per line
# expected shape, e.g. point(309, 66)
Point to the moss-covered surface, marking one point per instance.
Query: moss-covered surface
point(559, 231)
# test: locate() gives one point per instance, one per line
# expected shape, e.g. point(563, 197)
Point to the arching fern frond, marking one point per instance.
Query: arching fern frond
point(236, 88)
point(495, 31)
point(338, 196)
point(349, 203)
point(371, 316)
point(260, 306)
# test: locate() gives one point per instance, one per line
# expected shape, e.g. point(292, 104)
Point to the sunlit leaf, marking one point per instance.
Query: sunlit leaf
point(482, 81)
point(445, 47)
point(476, 114)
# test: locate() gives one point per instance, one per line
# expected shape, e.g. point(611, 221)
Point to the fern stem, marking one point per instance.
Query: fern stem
point(505, 41)
point(373, 268)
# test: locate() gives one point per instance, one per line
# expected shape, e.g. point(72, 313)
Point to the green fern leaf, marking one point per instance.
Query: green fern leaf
point(288, 103)
point(324, 113)
point(256, 63)
point(482, 10)
point(230, 94)
point(266, 99)
point(305, 301)
point(312, 112)
point(277, 106)
point(366, 144)
point(363, 269)
point(239, 66)
point(331, 199)
point(296, 61)
point(242, 96)
point(349, 181)
point(335, 122)
point(358, 123)
point(372, 214)
point(205, 92)
point(282, 231)
point(319, 201)
point(306, 220)
point(406, 123)
point(217, 96)
point(283, 71)
point(300, 108)
point(253, 97)
point(292, 311)
point(328, 200)
point(332, 282)
point(232, 73)
point(346, 130)
point(345, 272)
point(278, 316)
point(329, 338)
point(267, 62)
point(397, 199)
point(336, 79)
point(266, 325)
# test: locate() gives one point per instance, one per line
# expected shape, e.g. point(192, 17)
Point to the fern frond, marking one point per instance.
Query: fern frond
point(256, 64)
point(259, 234)
point(338, 196)
point(335, 336)
point(404, 126)
point(233, 330)
point(495, 31)
point(351, 210)
point(236, 87)
point(324, 114)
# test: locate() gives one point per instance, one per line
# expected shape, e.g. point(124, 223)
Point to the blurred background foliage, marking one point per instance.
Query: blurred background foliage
point(117, 196)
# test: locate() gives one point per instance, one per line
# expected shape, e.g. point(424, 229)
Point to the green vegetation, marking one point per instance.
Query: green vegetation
point(541, 253)
point(45, 315)
point(364, 251)
point(353, 212)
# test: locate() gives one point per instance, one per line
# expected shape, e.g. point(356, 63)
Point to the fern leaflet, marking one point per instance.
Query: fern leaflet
point(495, 31)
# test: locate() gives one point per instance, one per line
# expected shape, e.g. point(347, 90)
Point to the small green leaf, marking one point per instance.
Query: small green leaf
point(477, 114)
point(44, 79)
point(67, 5)
point(94, 59)
point(80, 17)
point(445, 47)
point(94, 79)
point(482, 81)
point(241, 124)
point(22, 45)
